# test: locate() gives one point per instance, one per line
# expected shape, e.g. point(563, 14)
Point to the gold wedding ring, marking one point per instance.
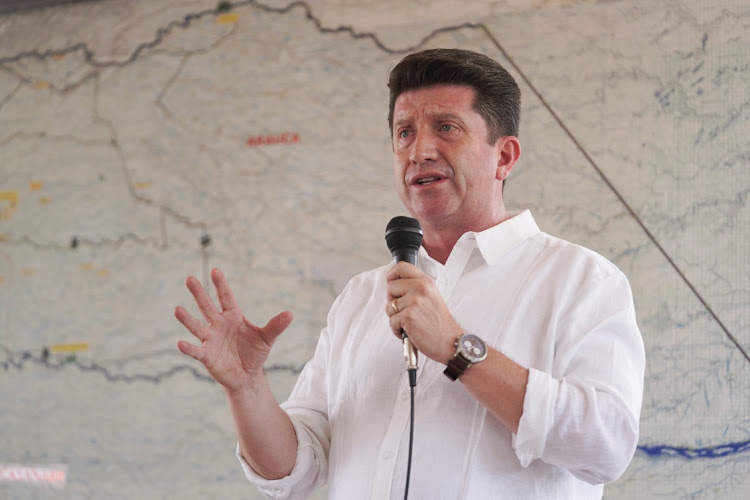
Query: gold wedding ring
point(394, 306)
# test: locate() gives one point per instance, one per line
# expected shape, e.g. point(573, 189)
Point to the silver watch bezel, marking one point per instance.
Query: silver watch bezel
point(464, 351)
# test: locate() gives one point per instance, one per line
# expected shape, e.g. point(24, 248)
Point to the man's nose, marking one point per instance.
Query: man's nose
point(424, 147)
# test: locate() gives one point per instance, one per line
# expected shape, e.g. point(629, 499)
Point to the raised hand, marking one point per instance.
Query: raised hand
point(232, 348)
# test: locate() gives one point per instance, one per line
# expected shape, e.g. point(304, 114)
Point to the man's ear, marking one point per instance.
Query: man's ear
point(510, 151)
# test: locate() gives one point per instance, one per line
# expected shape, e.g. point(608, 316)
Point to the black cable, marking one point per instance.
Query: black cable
point(412, 384)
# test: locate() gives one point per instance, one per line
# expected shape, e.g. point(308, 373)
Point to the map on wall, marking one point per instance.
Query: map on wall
point(254, 138)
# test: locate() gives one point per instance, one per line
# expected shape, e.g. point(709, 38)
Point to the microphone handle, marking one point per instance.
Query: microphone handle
point(410, 355)
point(410, 352)
point(405, 255)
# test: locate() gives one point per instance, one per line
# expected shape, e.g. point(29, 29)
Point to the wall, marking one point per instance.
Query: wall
point(141, 142)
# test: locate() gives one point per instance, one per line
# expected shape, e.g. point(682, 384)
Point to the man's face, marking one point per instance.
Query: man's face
point(446, 172)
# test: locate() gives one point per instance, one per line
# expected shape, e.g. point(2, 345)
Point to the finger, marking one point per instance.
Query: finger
point(223, 290)
point(276, 326)
point(395, 323)
point(397, 305)
point(403, 270)
point(190, 322)
point(391, 306)
point(191, 350)
point(205, 304)
point(400, 288)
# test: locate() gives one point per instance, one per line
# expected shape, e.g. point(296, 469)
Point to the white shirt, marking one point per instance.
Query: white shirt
point(562, 311)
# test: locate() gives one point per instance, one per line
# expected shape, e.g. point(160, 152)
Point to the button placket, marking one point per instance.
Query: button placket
point(453, 268)
point(391, 442)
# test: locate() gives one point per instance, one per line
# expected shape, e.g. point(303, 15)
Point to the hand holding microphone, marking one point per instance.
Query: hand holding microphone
point(416, 307)
point(403, 235)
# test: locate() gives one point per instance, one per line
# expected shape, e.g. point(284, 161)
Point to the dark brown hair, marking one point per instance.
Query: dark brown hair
point(498, 98)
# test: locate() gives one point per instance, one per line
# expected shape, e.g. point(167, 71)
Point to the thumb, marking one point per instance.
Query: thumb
point(277, 325)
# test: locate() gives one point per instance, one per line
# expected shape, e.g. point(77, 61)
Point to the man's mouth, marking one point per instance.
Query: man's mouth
point(428, 180)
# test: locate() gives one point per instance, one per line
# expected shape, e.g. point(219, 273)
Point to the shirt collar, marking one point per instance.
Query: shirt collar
point(494, 242)
point(498, 240)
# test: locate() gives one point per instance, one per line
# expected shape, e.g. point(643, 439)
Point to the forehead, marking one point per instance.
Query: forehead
point(439, 99)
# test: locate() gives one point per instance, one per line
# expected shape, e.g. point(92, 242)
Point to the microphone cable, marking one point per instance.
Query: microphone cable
point(412, 388)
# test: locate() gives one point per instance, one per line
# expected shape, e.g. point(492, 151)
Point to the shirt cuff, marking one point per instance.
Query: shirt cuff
point(281, 488)
point(537, 418)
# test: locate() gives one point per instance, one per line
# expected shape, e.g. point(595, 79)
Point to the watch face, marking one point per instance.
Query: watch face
point(472, 347)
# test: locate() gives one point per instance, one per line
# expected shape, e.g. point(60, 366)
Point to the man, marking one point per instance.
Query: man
point(553, 409)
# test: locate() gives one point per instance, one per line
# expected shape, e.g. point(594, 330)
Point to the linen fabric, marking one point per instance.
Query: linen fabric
point(561, 310)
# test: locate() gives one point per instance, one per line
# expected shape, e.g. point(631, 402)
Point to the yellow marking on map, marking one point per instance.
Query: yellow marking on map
point(42, 85)
point(36, 185)
point(58, 57)
point(230, 18)
point(89, 266)
point(3, 279)
point(142, 185)
point(11, 198)
point(73, 347)
point(44, 200)
point(28, 271)
point(3, 237)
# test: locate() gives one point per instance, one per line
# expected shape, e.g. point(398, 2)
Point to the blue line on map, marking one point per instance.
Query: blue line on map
point(718, 451)
point(653, 451)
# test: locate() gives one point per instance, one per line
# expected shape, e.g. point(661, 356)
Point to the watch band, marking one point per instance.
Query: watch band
point(456, 367)
point(470, 350)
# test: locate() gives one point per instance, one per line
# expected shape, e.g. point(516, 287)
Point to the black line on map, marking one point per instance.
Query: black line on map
point(61, 363)
point(614, 190)
point(548, 107)
point(64, 361)
point(79, 241)
point(186, 20)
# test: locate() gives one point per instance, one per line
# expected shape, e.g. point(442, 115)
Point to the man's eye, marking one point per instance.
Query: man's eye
point(446, 127)
point(403, 133)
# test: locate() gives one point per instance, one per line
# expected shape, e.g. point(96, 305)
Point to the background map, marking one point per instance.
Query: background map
point(141, 142)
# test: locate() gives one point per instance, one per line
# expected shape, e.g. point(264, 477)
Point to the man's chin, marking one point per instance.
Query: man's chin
point(428, 209)
point(431, 215)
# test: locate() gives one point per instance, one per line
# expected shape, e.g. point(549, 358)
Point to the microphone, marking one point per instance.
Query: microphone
point(403, 235)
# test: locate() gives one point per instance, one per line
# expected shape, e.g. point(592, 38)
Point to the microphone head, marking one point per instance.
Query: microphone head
point(403, 233)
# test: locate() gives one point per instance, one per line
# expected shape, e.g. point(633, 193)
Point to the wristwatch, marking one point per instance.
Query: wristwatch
point(470, 350)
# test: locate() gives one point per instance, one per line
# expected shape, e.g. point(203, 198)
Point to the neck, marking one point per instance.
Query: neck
point(439, 246)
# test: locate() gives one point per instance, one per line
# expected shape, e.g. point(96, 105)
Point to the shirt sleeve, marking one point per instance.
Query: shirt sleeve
point(583, 416)
point(303, 477)
point(307, 408)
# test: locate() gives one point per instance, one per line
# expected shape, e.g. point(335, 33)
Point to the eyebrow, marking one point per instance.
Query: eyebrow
point(437, 117)
point(398, 123)
point(448, 116)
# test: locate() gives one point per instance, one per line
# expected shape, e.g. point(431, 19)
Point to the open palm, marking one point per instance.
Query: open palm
point(232, 348)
